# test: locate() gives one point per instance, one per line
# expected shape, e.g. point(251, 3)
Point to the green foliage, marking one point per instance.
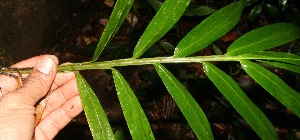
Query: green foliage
point(170, 11)
point(250, 47)
point(264, 38)
point(187, 104)
point(135, 117)
point(195, 10)
point(192, 9)
point(239, 100)
point(94, 112)
point(264, 6)
point(282, 92)
point(209, 30)
point(121, 9)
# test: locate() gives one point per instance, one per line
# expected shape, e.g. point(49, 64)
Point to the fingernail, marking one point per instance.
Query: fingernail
point(45, 65)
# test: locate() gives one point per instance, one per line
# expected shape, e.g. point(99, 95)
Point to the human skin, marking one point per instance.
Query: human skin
point(17, 105)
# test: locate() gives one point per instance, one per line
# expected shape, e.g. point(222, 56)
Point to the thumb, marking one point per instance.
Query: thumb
point(39, 81)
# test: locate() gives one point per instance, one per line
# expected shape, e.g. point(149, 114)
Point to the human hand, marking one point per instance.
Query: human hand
point(17, 106)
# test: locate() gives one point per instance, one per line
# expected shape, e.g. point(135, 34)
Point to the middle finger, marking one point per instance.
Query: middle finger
point(60, 96)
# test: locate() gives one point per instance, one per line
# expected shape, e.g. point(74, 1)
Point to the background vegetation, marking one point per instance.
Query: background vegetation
point(187, 83)
point(251, 46)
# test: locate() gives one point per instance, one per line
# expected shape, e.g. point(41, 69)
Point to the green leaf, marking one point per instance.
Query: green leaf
point(121, 9)
point(163, 21)
point(264, 38)
point(276, 56)
point(192, 9)
point(94, 112)
point(187, 104)
point(120, 135)
point(209, 30)
point(274, 85)
point(239, 100)
point(167, 47)
point(195, 10)
point(216, 50)
point(286, 66)
point(134, 115)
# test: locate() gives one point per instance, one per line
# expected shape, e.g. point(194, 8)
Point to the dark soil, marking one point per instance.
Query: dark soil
point(70, 30)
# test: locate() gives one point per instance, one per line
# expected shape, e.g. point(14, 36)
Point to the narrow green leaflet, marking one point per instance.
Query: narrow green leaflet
point(94, 112)
point(211, 29)
point(274, 85)
point(134, 115)
point(264, 38)
point(276, 56)
point(163, 21)
point(187, 104)
point(192, 9)
point(195, 10)
point(121, 9)
point(239, 100)
point(286, 66)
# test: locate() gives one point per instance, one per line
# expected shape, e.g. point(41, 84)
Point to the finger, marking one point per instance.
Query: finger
point(39, 81)
point(60, 96)
point(9, 84)
point(62, 78)
point(58, 119)
point(31, 62)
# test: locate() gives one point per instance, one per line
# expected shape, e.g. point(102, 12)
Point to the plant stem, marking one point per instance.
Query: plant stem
point(147, 61)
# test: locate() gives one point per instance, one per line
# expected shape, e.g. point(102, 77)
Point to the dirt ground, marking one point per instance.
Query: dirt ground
point(70, 30)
